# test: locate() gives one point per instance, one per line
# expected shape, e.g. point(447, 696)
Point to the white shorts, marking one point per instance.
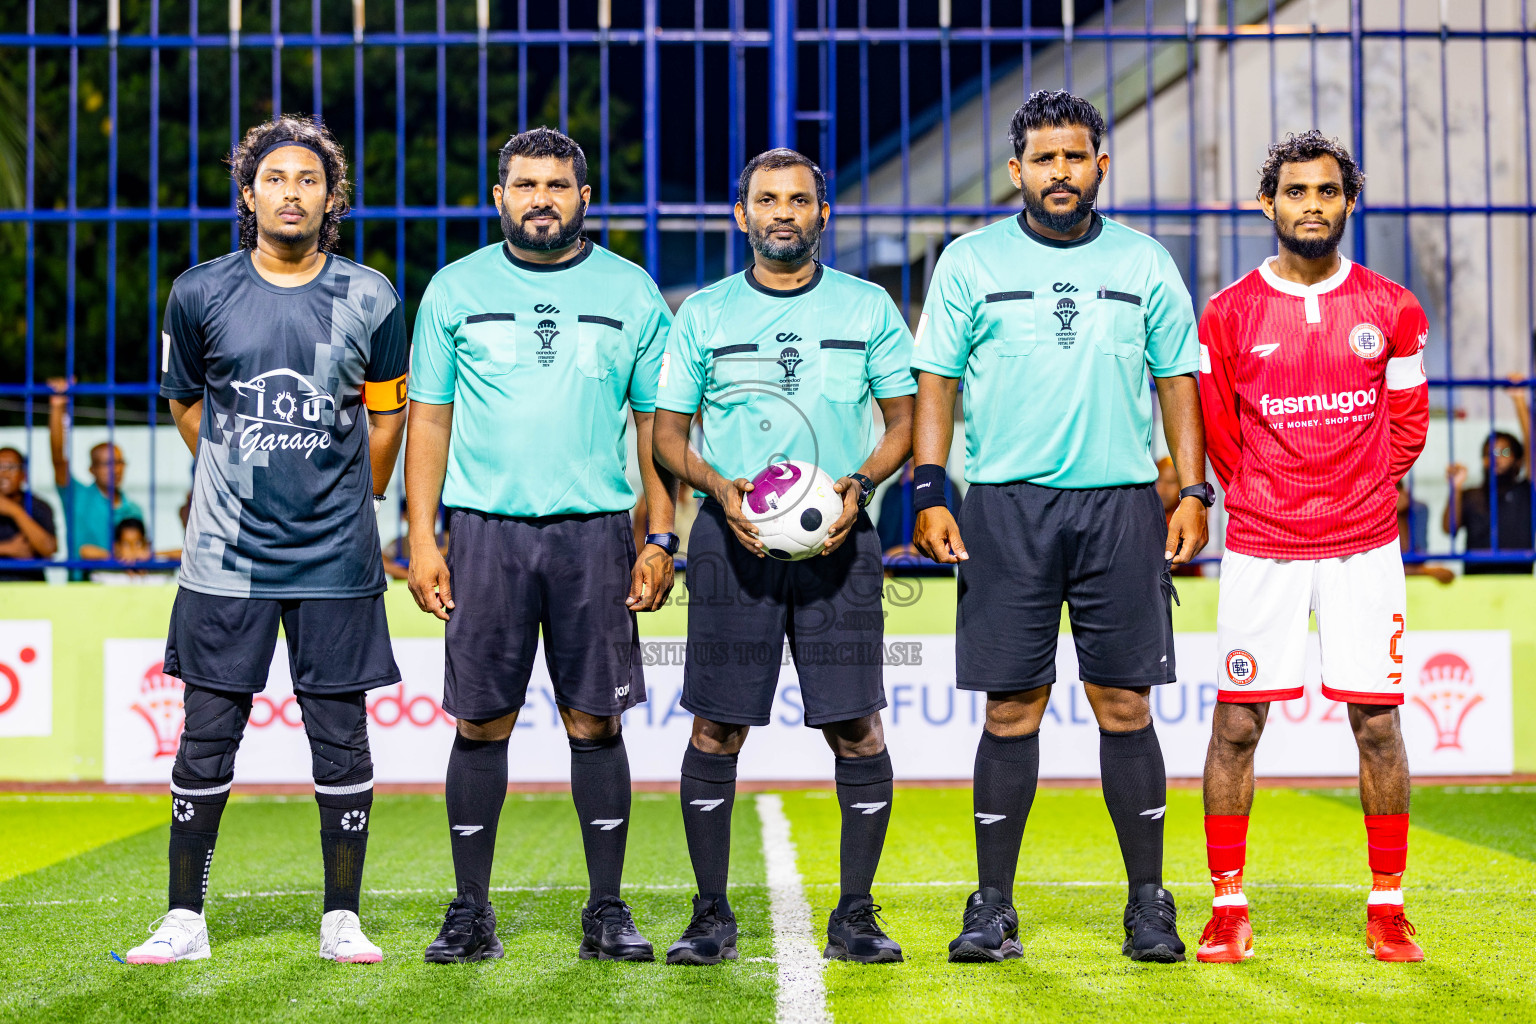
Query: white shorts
point(1361, 603)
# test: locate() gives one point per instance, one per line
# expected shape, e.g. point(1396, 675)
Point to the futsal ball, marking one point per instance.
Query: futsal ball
point(793, 505)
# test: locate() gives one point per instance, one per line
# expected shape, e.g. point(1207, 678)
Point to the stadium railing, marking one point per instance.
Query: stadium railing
point(677, 93)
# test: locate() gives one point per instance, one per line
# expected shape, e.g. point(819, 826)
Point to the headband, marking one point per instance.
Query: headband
point(283, 143)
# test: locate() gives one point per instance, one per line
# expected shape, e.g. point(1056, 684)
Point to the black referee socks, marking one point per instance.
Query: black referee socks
point(1007, 774)
point(600, 790)
point(1136, 792)
point(864, 790)
point(708, 792)
point(475, 790)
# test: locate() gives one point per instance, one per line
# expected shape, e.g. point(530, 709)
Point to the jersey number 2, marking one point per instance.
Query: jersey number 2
point(1396, 678)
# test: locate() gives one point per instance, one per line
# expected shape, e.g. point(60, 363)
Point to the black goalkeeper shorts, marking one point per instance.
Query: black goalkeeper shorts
point(335, 645)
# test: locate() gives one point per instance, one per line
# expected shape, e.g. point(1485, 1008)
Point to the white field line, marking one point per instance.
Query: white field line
point(802, 995)
point(970, 884)
point(283, 893)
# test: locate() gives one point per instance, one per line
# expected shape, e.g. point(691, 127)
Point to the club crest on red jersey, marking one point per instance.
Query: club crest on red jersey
point(1367, 341)
point(1242, 668)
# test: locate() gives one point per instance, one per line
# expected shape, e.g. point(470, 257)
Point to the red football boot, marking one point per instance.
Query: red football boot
point(1228, 937)
point(1387, 932)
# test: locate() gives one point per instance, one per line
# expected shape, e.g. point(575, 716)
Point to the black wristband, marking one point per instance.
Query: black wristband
point(928, 486)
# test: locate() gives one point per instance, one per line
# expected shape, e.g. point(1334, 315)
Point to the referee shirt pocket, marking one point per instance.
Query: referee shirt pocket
point(733, 371)
point(598, 339)
point(489, 342)
point(1119, 325)
point(1009, 320)
point(844, 379)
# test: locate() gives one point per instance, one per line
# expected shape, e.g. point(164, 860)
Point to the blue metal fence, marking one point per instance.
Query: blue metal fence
point(903, 102)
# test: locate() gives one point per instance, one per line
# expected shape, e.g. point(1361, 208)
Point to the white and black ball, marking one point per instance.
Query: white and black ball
point(793, 505)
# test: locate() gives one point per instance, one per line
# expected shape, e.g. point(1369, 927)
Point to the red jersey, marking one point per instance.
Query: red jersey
point(1315, 405)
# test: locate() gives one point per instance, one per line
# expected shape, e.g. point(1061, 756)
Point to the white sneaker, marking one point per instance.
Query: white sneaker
point(342, 940)
point(179, 935)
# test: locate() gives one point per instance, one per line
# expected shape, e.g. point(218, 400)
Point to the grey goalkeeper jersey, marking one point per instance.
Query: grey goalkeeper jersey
point(282, 494)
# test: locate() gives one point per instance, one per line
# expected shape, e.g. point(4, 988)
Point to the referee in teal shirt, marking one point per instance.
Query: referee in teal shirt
point(786, 361)
point(525, 356)
point(1053, 319)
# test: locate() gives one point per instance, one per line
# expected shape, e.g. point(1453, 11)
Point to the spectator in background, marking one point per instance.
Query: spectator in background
point(130, 545)
point(92, 511)
point(1506, 457)
point(897, 519)
point(26, 521)
point(1168, 491)
point(1413, 535)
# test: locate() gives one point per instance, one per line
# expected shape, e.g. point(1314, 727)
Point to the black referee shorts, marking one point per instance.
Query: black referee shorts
point(565, 576)
point(335, 645)
point(741, 608)
point(1031, 548)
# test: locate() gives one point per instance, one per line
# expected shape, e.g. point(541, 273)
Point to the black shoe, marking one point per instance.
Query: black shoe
point(1151, 927)
point(709, 938)
point(854, 934)
point(990, 932)
point(468, 933)
point(608, 933)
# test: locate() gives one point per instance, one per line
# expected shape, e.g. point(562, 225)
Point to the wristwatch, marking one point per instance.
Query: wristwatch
point(668, 542)
point(378, 500)
point(1203, 490)
point(866, 488)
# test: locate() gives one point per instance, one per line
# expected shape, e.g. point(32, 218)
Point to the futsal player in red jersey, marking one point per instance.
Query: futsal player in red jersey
point(1315, 401)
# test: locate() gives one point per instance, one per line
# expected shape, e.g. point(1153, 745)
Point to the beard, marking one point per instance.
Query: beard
point(794, 251)
point(568, 232)
point(1061, 222)
point(298, 235)
point(1311, 248)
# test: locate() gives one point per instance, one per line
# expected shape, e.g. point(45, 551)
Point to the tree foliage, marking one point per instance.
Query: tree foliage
point(145, 259)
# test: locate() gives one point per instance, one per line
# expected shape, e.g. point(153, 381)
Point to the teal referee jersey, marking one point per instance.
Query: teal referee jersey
point(1053, 341)
point(539, 360)
point(786, 374)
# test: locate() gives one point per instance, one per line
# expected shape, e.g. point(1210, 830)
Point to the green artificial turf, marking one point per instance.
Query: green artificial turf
point(1307, 882)
point(38, 829)
point(1471, 882)
point(264, 912)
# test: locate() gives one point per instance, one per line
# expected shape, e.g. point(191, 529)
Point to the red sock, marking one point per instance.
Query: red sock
point(1387, 847)
point(1386, 838)
point(1226, 848)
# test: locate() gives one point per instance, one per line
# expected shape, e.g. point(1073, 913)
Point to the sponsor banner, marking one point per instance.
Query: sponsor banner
point(26, 677)
point(407, 729)
point(1456, 717)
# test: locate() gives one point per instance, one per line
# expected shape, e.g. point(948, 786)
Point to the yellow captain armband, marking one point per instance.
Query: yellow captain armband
point(386, 395)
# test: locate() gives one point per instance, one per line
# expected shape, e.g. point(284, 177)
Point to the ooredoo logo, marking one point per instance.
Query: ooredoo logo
point(1242, 668)
point(159, 704)
point(394, 707)
point(12, 681)
point(1447, 693)
point(26, 678)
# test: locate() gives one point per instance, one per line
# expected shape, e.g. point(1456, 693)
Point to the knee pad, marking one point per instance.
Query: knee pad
point(210, 737)
point(337, 728)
